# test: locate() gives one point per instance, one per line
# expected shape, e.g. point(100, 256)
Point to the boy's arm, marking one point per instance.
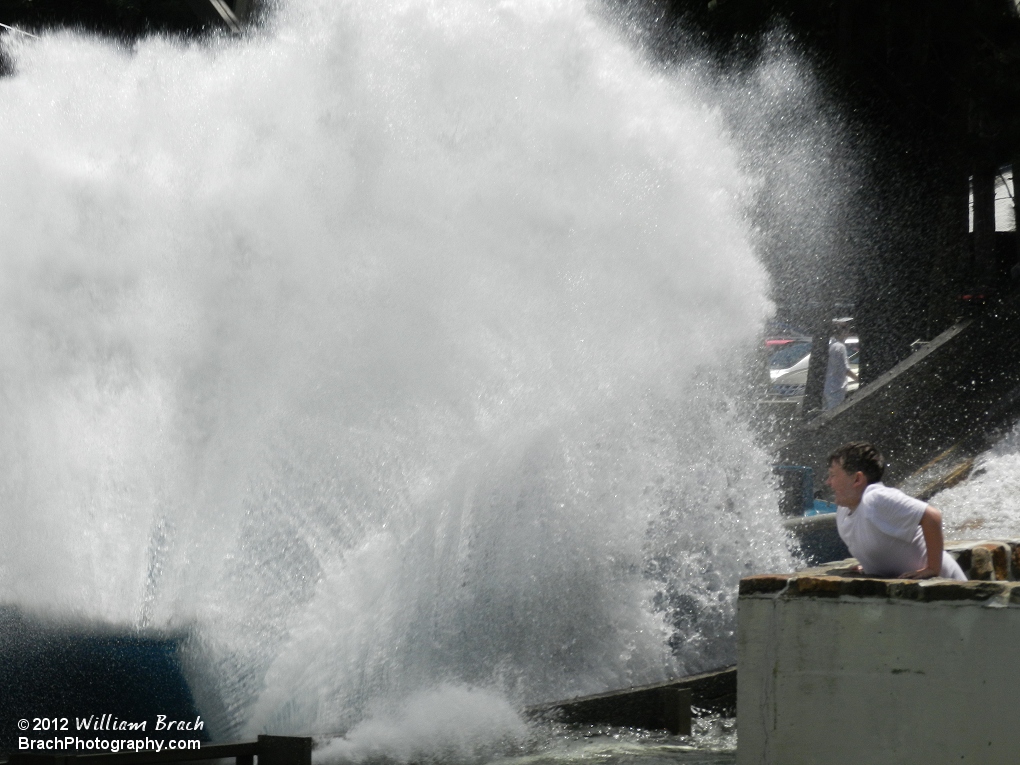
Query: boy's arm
point(931, 528)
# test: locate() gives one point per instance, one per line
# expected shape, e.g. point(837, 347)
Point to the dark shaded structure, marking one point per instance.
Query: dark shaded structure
point(661, 706)
point(930, 92)
point(129, 19)
point(81, 672)
point(934, 411)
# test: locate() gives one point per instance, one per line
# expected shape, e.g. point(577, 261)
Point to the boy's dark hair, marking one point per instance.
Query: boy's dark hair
point(860, 456)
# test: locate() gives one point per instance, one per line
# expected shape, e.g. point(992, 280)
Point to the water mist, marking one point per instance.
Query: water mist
point(986, 505)
point(388, 353)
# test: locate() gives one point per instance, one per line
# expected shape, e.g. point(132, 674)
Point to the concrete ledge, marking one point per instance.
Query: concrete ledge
point(981, 560)
point(931, 590)
point(840, 669)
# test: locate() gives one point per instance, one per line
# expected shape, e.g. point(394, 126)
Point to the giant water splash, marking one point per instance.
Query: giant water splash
point(386, 352)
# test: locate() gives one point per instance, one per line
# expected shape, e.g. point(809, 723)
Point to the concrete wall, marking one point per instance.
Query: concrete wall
point(835, 670)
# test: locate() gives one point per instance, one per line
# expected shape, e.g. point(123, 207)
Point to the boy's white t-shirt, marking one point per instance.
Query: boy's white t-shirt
point(884, 534)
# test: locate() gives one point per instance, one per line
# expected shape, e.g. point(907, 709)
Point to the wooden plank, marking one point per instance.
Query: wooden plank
point(661, 706)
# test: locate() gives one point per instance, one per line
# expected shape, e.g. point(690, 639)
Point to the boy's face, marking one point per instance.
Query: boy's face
point(847, 487)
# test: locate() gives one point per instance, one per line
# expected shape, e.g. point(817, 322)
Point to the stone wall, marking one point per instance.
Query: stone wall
point(988, 560)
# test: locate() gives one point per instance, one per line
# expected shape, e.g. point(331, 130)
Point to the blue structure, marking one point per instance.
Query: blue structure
point(798, 483)
point(53, 670)
point(813, 520)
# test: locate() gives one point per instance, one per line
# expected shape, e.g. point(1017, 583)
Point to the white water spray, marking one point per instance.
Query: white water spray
point(987, 504)
point(385, 351)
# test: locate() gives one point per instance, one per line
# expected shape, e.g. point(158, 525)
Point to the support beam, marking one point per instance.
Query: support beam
point(1016, 212)
point(821, 329)
point(983, 186)
point(217, 12)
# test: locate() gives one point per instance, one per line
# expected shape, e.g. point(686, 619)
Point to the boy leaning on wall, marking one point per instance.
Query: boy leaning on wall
point(891, 534)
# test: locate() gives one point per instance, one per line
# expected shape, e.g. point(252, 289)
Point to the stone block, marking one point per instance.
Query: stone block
point(1000, 559)
point(862, 587)
point(965, 558)
point(981, 567)
point(818, 586)
point(945, 590)
point(764, 584)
